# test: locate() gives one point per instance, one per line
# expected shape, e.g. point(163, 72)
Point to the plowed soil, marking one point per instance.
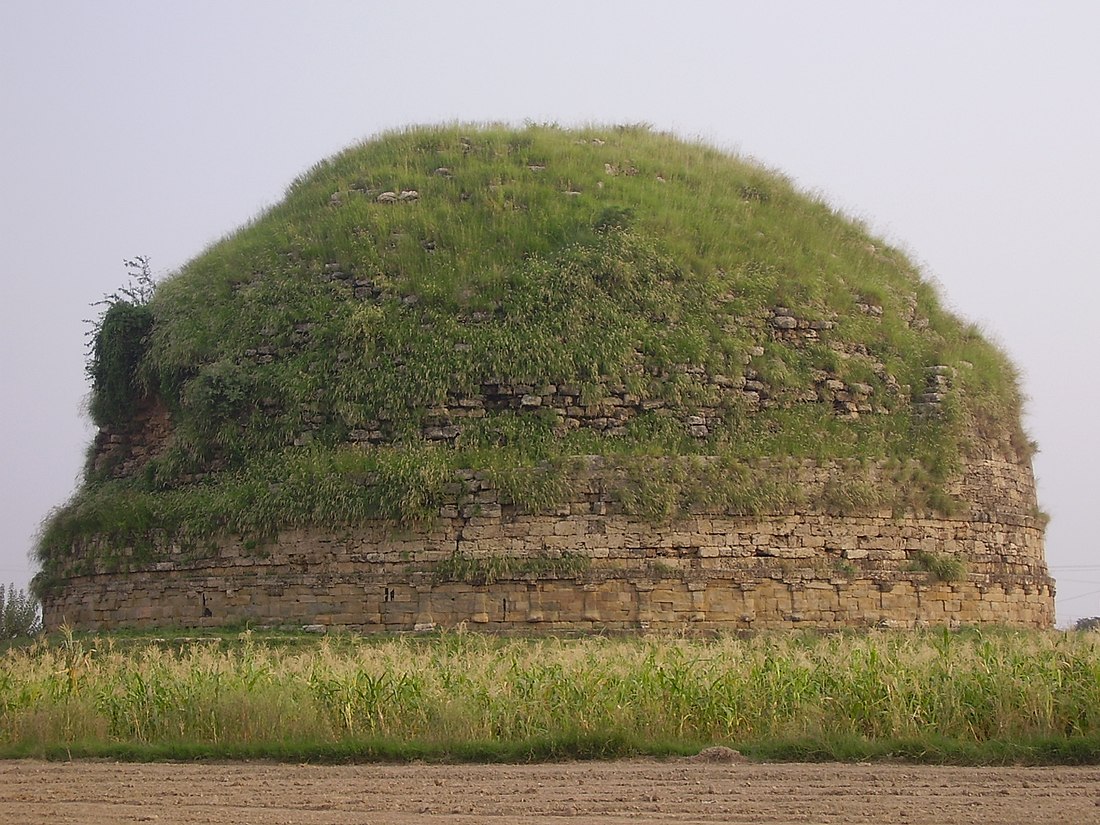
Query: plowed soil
point(635, 792)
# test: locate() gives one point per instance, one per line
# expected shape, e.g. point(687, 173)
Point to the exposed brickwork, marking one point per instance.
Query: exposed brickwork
point(707, 571)
point(123, 451)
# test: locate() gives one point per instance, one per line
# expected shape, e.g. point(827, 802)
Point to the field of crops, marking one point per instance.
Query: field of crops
point(934, 696)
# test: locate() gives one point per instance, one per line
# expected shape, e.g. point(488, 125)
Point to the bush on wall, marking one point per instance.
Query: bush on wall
point(119, 339)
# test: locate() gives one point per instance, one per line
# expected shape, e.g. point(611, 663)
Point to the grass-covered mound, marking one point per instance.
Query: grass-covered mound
point(414, 270)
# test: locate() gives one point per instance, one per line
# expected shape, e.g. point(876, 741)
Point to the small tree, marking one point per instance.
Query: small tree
point(1091, 623)
point(18, 614)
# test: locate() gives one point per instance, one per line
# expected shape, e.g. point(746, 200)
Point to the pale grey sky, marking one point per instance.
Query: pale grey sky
point(965, 132)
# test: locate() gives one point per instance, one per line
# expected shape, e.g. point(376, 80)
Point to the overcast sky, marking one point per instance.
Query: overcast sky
point(968, 133)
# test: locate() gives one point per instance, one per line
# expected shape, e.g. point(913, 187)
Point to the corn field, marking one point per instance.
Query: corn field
point(443, 691)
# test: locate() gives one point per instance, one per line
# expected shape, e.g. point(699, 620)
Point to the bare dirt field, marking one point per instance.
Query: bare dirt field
point(635, 791)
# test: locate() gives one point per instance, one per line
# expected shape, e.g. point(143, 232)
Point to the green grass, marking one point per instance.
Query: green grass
point(941, 697)
point(465, 568)
point(943, 567)
point(597, 257)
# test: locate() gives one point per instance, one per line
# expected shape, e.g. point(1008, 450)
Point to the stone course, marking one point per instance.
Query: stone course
point(706, 571)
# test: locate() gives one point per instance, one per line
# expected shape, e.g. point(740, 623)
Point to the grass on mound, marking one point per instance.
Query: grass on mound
point(598, 257)
point(498, 273)
point(940, 697)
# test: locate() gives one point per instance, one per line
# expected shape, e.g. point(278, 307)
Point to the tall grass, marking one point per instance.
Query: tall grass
point(1031, 696)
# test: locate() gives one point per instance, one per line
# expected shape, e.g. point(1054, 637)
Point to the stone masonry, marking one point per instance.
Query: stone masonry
point(588, 566)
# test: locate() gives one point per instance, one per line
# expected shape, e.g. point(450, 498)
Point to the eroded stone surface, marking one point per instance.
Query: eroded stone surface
point(707, 571)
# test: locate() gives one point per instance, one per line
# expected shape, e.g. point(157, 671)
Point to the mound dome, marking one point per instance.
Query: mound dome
point(548, 378)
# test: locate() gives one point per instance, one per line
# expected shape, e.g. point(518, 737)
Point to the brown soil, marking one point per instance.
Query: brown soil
point(635, 792)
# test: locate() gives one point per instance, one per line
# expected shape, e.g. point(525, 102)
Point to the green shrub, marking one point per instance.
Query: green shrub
point(118, 341)
point(113, 368)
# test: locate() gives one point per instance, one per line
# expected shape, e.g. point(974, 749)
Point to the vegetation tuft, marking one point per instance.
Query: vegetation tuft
point(461, 567)
point(942, 566)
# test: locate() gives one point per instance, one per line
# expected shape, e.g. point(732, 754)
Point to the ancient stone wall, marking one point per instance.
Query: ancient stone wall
point(587, 565)
point(122, 451)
